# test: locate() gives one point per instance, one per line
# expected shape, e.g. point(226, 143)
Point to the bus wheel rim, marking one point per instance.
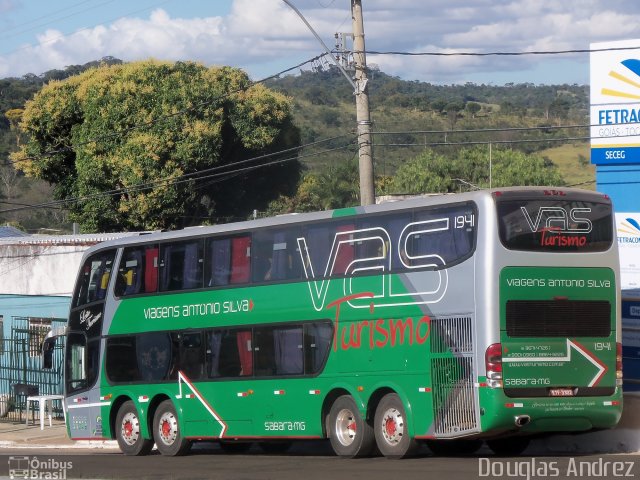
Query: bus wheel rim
point(392, 426)
point(345, 427)
point(168, 428)
point(130, 428)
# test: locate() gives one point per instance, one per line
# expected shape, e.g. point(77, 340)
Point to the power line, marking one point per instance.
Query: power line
point(53, 39)
point(486, 130)
point(482, 142)
point(512, 54)
point(55, 19)
point(185, 178)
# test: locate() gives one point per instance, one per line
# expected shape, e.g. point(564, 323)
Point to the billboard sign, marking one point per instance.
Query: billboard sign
point(628, 232)
point(615, 102)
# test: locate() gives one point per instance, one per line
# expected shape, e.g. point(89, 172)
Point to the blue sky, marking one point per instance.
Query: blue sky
point(265, 36)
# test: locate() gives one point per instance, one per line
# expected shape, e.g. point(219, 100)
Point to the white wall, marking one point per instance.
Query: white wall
point(33, 269)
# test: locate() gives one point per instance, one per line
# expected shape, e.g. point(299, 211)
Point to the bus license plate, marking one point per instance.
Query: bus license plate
point(561, 392)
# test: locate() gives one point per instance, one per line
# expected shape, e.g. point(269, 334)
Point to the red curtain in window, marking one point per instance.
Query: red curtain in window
point(151, 270)
point(345, 253)
point(245, 352)
point(240, 259)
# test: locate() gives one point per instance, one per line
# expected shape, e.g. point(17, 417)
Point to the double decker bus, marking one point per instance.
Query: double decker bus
point(456, 319)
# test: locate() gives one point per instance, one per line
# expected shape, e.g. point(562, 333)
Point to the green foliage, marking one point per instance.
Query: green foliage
point(150, 123)
point(430, 172)
point(322, 107)
point(336, 185)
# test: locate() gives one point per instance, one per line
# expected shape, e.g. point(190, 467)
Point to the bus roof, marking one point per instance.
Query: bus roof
point(302, 218)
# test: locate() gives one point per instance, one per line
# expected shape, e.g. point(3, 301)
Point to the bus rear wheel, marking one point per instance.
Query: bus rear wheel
point(391, 429)
point(350, 435)
point(128, 433)
point(166, 431)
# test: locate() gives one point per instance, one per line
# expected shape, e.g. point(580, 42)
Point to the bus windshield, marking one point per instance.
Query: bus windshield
point(555, 225)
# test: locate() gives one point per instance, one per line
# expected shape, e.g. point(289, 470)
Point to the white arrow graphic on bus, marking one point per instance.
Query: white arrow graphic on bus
point(182, 378)
point(570, 345)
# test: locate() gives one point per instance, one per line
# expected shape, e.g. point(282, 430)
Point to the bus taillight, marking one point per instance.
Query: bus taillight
point(619, 363)
point(493, 362)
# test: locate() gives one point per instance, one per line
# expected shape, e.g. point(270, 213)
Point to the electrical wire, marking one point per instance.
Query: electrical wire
point(54, 39)
point(170, 182)
point(55, 19)
point(504, 54)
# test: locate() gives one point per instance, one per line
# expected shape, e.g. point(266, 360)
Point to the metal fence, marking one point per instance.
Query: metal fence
point(21, 372)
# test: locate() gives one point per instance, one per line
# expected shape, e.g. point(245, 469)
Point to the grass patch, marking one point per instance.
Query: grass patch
point(574, 164)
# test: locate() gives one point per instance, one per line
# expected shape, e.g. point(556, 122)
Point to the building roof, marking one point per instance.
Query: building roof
point(77, 239)
point(9, 231)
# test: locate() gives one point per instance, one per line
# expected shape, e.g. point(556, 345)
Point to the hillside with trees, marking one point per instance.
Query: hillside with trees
point(427, 137)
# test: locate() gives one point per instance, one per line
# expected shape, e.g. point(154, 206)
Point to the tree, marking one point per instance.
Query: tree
point(473, 108)
point(335, 185)
point(433, 173)
point(176, 129)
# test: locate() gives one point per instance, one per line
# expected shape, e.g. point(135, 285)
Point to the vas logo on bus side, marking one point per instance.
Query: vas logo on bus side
point(378, 240)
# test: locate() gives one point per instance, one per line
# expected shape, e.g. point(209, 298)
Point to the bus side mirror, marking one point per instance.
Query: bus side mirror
point(47, 352)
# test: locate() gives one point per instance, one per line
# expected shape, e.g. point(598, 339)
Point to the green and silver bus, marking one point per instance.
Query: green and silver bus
point(455, 319)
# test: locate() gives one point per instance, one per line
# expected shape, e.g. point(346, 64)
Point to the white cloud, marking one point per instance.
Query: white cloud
point(265, 33)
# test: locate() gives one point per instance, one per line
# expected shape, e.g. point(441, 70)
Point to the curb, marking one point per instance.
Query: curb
point(81, 444)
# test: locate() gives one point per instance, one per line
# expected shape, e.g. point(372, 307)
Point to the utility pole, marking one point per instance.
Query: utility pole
point(367, 194)
point(363, 118)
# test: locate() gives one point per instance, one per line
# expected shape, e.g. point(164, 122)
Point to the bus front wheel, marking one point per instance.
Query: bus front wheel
point(391, 429)
point(350, 435)
point(128, 434)
point(166, 431)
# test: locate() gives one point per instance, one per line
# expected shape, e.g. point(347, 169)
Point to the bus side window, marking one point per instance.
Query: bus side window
point(263, 351)
point(181, 266)
point(218, 261)
point(240, 260)
point(317, 342)
point(345, 253)
point(229, 353)
point(154, 355)
point(192, 355)
point(137, 272)
point(122, 360)
point(278, 351)
point(151, 269)
point(286, 264)
point(288, 350)
point(437, 239)
point(320, 239)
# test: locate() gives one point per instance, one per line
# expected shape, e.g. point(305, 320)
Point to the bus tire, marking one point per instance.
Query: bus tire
point(508, 446)
point(166, 431)
point(391, 429)
point(350, 435)
point(128, 433)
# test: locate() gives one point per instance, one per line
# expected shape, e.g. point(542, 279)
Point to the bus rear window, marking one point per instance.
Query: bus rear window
point(555, 225)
